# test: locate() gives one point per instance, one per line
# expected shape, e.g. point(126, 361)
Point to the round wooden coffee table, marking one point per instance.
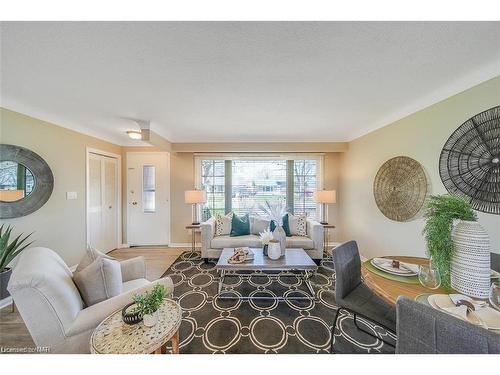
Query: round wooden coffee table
point(113, 336)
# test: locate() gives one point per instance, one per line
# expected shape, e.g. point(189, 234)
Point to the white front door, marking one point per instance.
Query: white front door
point(148, 195)
point(102, 202)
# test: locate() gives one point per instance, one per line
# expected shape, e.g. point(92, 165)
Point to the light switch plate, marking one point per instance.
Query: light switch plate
point(71, 195)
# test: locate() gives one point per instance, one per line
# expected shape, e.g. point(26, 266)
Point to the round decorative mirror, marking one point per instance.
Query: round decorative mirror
point(26, 181)
point(16, 181)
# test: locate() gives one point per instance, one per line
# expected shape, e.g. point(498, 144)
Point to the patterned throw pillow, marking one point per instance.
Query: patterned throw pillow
point(297, 224)
point(223, 224)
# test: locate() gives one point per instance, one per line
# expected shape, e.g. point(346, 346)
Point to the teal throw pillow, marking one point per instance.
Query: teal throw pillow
point(240, 226)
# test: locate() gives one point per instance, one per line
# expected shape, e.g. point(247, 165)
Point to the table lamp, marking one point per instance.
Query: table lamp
point(195, 197)
point(325, 197)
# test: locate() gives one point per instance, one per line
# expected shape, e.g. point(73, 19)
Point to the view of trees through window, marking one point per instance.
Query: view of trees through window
point(242, 185)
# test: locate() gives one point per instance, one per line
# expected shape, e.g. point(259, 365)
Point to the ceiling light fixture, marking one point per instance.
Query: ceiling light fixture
point(133, 134)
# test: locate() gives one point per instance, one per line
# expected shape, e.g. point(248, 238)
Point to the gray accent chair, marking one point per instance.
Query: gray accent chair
point(424, 330)
point(352, 295)
point(495, 262)
point(51, 306)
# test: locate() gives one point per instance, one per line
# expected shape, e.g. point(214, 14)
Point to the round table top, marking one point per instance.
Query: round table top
point(390, 290)
point(113, 336)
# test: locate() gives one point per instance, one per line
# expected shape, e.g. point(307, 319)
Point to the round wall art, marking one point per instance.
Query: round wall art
point(400, 188)
point(469, 165)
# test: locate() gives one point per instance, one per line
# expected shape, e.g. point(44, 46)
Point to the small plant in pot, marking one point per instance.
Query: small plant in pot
point(8, 251)
point(147, 304)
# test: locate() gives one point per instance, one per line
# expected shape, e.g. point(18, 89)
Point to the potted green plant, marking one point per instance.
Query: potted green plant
point(440, 214)
point(147, 304)
point(8, 251)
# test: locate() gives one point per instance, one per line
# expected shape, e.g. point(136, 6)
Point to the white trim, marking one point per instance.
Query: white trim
point(88, 151)
point(5, 302)
point(183, 244)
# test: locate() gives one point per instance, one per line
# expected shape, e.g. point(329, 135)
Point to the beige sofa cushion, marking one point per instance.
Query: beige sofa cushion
point(250, 240)
point(101, 280)
point(258, 225)
point(299, 241)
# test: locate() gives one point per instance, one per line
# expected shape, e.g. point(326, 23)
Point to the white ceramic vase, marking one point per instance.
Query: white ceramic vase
point(470, 265)
point(274, 250)
point(150, 319)
point(279, 235)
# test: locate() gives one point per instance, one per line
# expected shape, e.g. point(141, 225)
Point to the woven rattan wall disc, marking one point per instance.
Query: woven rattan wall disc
point(400, 188)
point(470, 161)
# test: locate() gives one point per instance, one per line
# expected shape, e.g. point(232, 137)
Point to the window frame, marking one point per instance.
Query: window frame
point(319, 157)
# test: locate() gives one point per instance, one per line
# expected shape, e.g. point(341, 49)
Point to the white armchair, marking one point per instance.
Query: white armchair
point(42, 288)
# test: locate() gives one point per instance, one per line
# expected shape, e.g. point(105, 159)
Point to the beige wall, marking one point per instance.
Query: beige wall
point(60, 224)
point(420, 136)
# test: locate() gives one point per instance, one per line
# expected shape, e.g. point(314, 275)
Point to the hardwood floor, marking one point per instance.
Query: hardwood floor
point(13, 331)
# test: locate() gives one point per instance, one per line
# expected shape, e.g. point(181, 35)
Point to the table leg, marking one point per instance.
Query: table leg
point(221, 281)
point(163, 349)
point(325, 239)
point(157, 351)
point(175, 343)
point(193, 240)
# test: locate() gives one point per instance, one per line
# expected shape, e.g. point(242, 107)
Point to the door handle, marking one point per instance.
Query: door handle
point(134, 203)
point(110, 207)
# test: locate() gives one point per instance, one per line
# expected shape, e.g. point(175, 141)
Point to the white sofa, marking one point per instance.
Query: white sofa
point(42, 288)
point(211, 245)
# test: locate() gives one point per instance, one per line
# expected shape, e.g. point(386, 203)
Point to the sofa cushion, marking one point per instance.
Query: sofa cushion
point(300, 241)
point(223, 224)
point(101, 280)
point(250, 240)
point(258, 225)
point(297, 224)
point(240, 226)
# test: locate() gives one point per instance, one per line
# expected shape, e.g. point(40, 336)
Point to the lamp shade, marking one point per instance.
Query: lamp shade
point(325, 196)
point(195, 196)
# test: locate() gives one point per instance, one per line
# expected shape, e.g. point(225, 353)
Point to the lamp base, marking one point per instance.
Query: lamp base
point(323, 222)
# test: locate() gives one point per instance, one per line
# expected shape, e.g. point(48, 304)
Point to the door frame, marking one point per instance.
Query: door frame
point(169, 205)
point(88, 151)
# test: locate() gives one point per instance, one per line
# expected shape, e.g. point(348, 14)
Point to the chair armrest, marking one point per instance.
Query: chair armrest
point(315, 231)
point(207, 229)
point(92, 316)
point(134, 268)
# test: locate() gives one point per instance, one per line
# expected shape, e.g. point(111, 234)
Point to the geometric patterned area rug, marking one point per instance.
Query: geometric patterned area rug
point(213, 325)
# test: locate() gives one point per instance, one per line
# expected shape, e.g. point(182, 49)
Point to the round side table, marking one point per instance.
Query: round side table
point(113, 336)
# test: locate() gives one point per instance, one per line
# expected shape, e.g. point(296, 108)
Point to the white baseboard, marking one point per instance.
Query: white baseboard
point(5, 302)
point(124, 246)
point(183, 244)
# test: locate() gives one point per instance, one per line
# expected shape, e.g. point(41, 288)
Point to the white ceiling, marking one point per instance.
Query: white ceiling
point(239, 81)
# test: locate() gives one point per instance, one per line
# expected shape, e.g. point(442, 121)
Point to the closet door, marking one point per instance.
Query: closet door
point(103, 202)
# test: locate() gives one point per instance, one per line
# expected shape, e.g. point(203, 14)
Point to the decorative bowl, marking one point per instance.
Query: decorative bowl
point(129, 316)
